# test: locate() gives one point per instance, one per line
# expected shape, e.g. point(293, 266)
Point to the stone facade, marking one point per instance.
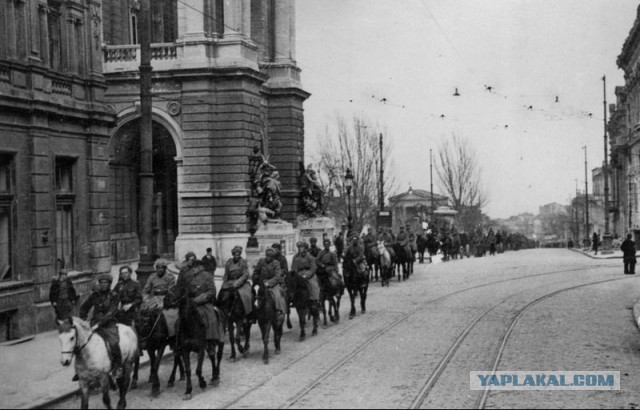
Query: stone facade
point(226, 82)
point(624, 139)
point(53, 156)
point(413, 207)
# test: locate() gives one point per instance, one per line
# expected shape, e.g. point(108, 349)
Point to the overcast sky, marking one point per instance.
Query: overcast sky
point(414, 53)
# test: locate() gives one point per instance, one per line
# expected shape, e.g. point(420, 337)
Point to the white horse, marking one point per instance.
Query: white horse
point(385, 263)
point(93, 365)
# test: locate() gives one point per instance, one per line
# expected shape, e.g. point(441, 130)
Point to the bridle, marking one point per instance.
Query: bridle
point(76, 350)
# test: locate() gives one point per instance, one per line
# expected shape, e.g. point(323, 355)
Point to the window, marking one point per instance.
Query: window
point(134, 29)
point(65, 200)
point(6, 216)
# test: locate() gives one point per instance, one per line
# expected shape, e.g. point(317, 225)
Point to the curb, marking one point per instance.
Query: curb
point(49, 402)
point(593, 256)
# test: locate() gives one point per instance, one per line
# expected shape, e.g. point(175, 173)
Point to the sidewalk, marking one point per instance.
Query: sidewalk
point(616, 253)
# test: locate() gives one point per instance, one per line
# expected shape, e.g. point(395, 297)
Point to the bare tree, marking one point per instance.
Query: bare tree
point(460, 179)
point(354, 145)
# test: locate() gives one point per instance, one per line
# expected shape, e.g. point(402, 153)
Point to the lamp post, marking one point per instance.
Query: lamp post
point(607, 237)
point(348, 183)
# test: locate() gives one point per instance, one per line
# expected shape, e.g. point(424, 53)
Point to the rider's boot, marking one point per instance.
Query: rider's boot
point(116, 364)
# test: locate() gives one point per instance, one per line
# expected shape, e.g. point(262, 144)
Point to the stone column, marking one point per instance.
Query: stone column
point(43, 21)
point(34, 18)
point(191, 19)
point(284, 23)
point(11, 29)
point(233, 20)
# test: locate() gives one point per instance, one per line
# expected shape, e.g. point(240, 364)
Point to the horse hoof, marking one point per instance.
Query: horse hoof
point(265, 360)
point(186, 397)
point(155, 392)
point(351, 317)
point(314, 332)
point(277, 351)
point(301, 339)
point(245, 354)
point(203, 384)
point(170, 384)
point(121, 405)
point(134, 385)
point(232, 359)
point(183, 378)
point(325, 326)
point(215, 382)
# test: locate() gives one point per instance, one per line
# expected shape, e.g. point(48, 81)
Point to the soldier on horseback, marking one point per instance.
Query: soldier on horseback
point(236, 278)
point(105, 308)
point(130, 295)
point(284, 264)
point(155, 291)
point(268, 273)
point(304, 265)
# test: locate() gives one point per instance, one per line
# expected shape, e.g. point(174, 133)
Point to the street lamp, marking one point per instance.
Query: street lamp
point(348, 183)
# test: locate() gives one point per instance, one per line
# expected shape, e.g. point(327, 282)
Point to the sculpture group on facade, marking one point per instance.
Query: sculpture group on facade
point(265, 202)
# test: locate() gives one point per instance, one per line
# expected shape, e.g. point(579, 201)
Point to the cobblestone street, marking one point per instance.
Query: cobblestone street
point(418, 341)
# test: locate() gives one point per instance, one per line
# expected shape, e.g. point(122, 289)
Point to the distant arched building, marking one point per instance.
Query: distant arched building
point(414, 207)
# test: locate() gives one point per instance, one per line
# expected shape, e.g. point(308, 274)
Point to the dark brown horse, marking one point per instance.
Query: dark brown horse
point(356, 279)
point(331, 290)
point(298, 297)
point(237, 325)
point(268, 318)
point(153, 334)
point(192, 337)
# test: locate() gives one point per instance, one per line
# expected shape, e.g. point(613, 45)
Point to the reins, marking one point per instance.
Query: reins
point(77, 350)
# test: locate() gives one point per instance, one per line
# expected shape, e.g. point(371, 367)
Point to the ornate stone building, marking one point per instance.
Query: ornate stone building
point(624, 137)
point(53, 148)
point(413, 207)
point(225, 79)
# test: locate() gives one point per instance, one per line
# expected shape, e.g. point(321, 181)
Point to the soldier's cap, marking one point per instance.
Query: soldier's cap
point(236, 249)
point(327, 240)
point(208, 250)
point(270, 252)
point(313, 240)
point(302, 244)
point(160, 263)
point(105, 277)
point(276, 246)
point(189, 255)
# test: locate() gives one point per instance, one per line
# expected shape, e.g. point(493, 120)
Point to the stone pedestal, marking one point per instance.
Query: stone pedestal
point(607, 244)
point(316, 227)
point(274, 231)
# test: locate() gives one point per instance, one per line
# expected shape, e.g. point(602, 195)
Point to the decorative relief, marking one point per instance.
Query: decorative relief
point(174, 108)
point(111, 109)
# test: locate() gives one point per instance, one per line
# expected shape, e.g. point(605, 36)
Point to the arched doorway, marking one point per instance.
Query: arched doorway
point(124, 198)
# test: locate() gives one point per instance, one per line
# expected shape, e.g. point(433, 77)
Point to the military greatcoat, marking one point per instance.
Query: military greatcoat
point(305, 266)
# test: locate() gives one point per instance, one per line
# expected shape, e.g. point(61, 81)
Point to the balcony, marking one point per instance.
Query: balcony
point(122, 58)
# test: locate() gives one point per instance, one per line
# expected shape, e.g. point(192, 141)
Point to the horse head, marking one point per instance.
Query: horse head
point(72, 335)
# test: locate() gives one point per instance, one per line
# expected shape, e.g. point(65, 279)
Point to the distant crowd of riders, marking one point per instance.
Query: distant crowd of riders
point(188, 314)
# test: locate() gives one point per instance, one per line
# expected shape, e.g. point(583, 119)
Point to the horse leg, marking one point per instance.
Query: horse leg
point(338, 297)
point(176, 363)
point(123, 384)
point(136, 366)
point(289, 325)
point(155, 367)
point(247, 335)
point(187, 369)
point(106, 398)
point(302, 316)
point(84, 389)
point(352, 296)
point(201, 381)
point(265, 328)
point(315, 313)
point(232, 342)
point(216, 362)
point(324, 312)
point(277, 333)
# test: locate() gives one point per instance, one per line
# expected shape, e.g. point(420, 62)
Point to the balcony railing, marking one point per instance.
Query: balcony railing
point(127, 57)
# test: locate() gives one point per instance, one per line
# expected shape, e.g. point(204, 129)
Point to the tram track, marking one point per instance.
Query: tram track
point(447, 358)
point(292, 401)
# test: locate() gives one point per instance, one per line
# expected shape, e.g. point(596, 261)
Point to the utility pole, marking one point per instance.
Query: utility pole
point(381, 199)
point(576, 220)
point(586, 201)
point(607, 238)
point(431, 180)
point(145, 267)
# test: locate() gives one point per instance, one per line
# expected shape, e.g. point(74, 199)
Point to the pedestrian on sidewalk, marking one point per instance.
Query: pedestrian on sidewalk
point(628, 248)
point(62, 295)
point(209, 262)
point(595, 241)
